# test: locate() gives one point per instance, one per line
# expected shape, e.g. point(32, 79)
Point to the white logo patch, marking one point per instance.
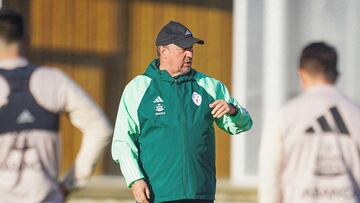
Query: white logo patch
point(197, 98)
point(25, 117)
point(159, 107)
point(187, 33)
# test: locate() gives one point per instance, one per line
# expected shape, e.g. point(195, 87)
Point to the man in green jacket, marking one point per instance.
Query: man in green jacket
point(164, 135)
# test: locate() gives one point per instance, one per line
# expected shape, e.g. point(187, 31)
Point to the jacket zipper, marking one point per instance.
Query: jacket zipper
point(183, 126)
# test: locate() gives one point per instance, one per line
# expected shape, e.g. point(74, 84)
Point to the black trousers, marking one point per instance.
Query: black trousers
point(191, 201)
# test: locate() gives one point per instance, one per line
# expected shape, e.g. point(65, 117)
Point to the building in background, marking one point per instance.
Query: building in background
point(103, 44)
point(268, 37)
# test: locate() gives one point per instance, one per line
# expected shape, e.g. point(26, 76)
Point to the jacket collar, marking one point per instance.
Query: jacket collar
point(153, 71)
point(321, 88)
point(10, 64)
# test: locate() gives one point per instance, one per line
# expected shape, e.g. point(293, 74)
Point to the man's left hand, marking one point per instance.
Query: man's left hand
point(220, 108)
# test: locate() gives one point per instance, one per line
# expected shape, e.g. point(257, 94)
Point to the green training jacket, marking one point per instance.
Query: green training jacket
point(164, 133)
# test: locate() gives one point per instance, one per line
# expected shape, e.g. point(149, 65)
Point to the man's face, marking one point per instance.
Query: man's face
point(180, 59)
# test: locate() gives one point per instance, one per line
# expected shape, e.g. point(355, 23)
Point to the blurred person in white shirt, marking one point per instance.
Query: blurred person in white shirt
point(31, 99)
point(310, 147)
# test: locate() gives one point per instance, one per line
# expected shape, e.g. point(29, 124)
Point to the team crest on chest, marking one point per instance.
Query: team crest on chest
point(196, 98)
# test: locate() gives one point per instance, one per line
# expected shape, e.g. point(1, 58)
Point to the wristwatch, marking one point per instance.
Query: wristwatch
point(236, 110)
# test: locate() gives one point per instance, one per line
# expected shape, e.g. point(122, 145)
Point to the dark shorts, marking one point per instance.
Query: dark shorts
point(191, 201)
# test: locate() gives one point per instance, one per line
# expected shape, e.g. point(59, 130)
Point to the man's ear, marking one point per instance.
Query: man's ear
point(163, 51)
point(304, 77)
point(301, 73)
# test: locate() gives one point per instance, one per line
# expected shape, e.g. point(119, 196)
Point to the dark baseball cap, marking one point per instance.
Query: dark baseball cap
point(178, 34)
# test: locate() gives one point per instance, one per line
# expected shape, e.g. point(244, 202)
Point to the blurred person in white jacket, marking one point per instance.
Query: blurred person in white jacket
point(310, 148)
point(31, 99)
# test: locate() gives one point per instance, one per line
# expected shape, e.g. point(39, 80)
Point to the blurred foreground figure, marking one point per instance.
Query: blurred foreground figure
point(310, 149)
point(31, 99)
point(164, 136)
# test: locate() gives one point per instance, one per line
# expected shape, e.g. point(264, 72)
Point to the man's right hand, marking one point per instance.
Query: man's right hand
point(141, 191)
